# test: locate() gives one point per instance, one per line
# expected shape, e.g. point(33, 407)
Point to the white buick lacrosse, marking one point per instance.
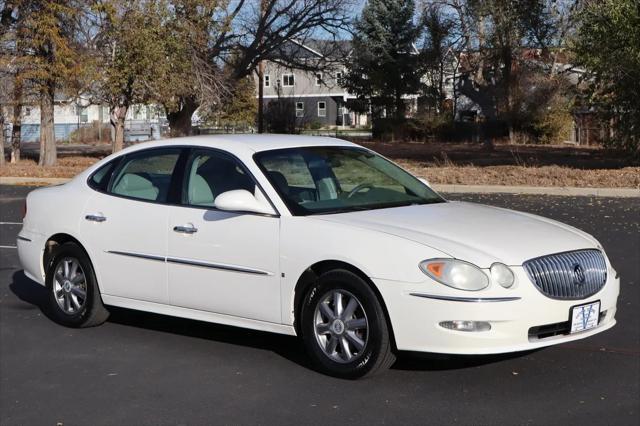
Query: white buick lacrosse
point(314, 237)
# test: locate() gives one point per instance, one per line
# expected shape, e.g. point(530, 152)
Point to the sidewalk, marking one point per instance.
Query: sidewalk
point(461, 189)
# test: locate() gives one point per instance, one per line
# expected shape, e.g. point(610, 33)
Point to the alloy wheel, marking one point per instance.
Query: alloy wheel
point(341, 326)
point(70, 286)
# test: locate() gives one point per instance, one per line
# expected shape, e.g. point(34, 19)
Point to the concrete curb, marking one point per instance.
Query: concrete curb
point(540, 190)
point(462, 189)
point(36, 181)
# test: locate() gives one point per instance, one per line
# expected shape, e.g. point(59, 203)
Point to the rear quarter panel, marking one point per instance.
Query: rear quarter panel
point(51, 210)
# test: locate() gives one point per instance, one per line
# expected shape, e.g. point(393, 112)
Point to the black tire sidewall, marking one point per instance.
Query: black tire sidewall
point(377, 332)
point(74, 251)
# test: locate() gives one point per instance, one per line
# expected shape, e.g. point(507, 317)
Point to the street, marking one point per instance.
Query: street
point(147, 369)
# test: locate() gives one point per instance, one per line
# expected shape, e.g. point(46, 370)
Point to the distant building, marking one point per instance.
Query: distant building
point(319, 98)
point(72, 115)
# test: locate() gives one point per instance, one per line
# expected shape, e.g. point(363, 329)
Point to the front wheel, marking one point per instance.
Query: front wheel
point(74, 298)
point(344, 327)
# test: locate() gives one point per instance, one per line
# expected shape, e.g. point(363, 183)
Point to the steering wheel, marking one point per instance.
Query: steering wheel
point(359, 188)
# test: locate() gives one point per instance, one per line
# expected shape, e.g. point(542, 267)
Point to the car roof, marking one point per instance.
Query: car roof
point(248, 142)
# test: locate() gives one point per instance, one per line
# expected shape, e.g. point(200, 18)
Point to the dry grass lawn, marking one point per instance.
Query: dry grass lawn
point(463, 164)
point(67, 167)
point(627, 177)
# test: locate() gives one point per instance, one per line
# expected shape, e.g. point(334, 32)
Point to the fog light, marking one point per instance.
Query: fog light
point(459, 325)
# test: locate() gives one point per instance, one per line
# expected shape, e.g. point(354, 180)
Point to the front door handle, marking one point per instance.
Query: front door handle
point(186, 229)
point(95, 218)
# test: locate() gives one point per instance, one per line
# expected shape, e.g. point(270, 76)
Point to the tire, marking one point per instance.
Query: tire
point(325, 327)
point(74, 297)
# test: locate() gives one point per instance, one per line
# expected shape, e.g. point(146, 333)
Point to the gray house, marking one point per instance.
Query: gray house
point(319, 98)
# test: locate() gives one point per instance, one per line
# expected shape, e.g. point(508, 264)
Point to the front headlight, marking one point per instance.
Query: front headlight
point(455, 273)
point(502, 274)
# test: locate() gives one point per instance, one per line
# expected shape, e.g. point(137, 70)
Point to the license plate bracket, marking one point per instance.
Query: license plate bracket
point(584, 317)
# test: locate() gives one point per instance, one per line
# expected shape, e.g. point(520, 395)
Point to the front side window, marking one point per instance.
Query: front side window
point(320, 180)
point(146, 175)
point(288, 80)
point(322, 109)
point(299, 109)
point(209, 174)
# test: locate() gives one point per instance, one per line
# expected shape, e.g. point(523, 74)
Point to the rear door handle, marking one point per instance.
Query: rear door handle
point(186, 229)
point(95, 218)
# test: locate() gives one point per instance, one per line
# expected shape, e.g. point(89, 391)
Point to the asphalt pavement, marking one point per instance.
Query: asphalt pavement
point(146, 369)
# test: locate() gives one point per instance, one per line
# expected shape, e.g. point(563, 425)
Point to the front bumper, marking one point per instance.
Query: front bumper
point(513, 314)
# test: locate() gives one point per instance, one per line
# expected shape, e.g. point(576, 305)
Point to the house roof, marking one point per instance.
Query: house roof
point(314, 49)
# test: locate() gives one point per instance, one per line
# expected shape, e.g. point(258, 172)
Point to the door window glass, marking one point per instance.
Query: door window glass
point(211, 174)
point(146, 175)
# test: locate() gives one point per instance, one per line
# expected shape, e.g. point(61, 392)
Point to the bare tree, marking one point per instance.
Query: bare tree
point(240, 35)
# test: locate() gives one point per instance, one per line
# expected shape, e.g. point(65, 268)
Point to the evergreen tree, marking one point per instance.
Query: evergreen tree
point(385, 65)
point(52, 60)
point(608, 46)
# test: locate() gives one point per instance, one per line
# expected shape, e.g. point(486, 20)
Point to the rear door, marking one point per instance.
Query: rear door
point(125, 222)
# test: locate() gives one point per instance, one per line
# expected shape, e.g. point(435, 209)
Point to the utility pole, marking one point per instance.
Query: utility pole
point(263, 7)
point(260, 97)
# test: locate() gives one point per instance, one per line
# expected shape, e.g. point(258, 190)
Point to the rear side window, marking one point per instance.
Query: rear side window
point(100, 179)
point(146, 175)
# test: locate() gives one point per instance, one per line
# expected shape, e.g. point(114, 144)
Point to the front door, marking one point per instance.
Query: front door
point(222, 262)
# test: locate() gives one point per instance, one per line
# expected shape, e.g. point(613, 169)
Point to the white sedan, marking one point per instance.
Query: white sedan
point(314, 237)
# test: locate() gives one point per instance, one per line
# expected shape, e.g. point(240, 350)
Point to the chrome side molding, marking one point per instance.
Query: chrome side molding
point(466, 299)
point(138, 255)
point(219, 266)
point(21, 238)
point(196, 263)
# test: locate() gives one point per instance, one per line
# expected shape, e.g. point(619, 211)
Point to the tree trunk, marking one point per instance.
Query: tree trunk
point(117, 116)
point(16, 130)
point(507, 83)
point(180, 120)
point(48, 155)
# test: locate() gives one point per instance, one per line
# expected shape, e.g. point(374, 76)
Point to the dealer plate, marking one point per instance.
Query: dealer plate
point(585, 317)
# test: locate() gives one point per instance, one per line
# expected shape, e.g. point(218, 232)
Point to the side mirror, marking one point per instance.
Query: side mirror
point(241, 200)
point(426, 182)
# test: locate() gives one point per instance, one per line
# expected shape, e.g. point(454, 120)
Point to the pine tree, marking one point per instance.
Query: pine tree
point(52, 60)
point(385, 65)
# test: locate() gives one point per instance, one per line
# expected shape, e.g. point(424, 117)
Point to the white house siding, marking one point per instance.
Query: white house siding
point(66, 120)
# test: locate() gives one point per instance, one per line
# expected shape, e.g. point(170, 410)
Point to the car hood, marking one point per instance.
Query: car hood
point(472, 232)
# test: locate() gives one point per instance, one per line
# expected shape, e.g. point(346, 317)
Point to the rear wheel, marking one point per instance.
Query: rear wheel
point(344, 327)
point(74, 298)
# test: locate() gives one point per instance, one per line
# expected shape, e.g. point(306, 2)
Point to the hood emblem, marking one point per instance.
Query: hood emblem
point(578, 274)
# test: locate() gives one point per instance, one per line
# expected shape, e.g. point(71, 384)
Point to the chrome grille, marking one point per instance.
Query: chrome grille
point(570, 275)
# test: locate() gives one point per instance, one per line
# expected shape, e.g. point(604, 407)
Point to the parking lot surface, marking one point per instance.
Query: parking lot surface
point(147, 369)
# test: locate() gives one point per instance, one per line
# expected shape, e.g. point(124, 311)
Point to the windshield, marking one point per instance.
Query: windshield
point(336, 179)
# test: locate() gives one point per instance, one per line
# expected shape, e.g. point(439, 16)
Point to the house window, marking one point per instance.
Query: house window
point(27, 111)
point(318, 79)
point(299, 109)
point(287, 80)
point(322, 109)
point(339, 77)
point(267, 80)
